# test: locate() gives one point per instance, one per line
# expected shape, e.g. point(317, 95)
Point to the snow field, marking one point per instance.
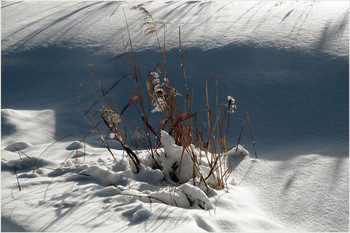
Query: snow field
point(286, 63)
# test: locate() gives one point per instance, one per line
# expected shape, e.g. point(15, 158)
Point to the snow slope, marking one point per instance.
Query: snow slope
point(319, 26)
point(286, 63)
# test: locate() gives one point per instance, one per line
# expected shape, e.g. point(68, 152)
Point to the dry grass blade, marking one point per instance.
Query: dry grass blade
point(133, 157)
point(19, 186)
point(246, 117)
point(69, 135)
point(116, 57)
point(20, 151)
point(114, 11)
point(240, 135)
point(181, 118)
point(184, 117)
point(251, 134)
point(138, 196)
point(131, 101)
point(220, 184)
point(105, 93)
point(150, 127)
point(71, 38)
point(94, 126)
point(149, 87)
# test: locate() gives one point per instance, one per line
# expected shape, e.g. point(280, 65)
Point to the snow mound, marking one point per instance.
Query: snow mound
point(141, 214)
point(17, 146)
point(196, 195)
point(29, 126)
point(75, 146)
point(26, 163)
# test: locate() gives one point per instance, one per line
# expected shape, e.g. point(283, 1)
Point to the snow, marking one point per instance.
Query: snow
point(29, 120)
point(300, 25)
point(175, 155)
point(286, 63)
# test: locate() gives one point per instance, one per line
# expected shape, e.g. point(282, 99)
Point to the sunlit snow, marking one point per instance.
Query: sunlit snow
point(286, 63)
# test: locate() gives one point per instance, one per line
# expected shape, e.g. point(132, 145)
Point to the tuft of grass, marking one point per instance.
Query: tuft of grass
point(175, 110)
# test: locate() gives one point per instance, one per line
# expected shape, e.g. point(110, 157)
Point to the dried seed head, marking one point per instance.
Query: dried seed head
point(155, 74)
point(160, 104)
point(115, 118)
point(174, 92)
point(231, 109)
point(144, 11)
point(148, 25)
point(155, 79)
point(158, 91)
point(230, 105)
point(230, 100)
point(158, 97)
point(105, 110)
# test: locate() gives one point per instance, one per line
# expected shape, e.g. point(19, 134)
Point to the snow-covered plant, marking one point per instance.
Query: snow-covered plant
point(176, 146)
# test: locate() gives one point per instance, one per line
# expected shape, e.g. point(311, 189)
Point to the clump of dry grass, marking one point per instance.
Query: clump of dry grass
point(160, 97)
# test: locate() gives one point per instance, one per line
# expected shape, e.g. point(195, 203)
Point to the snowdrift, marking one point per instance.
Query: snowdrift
point(286, 63)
